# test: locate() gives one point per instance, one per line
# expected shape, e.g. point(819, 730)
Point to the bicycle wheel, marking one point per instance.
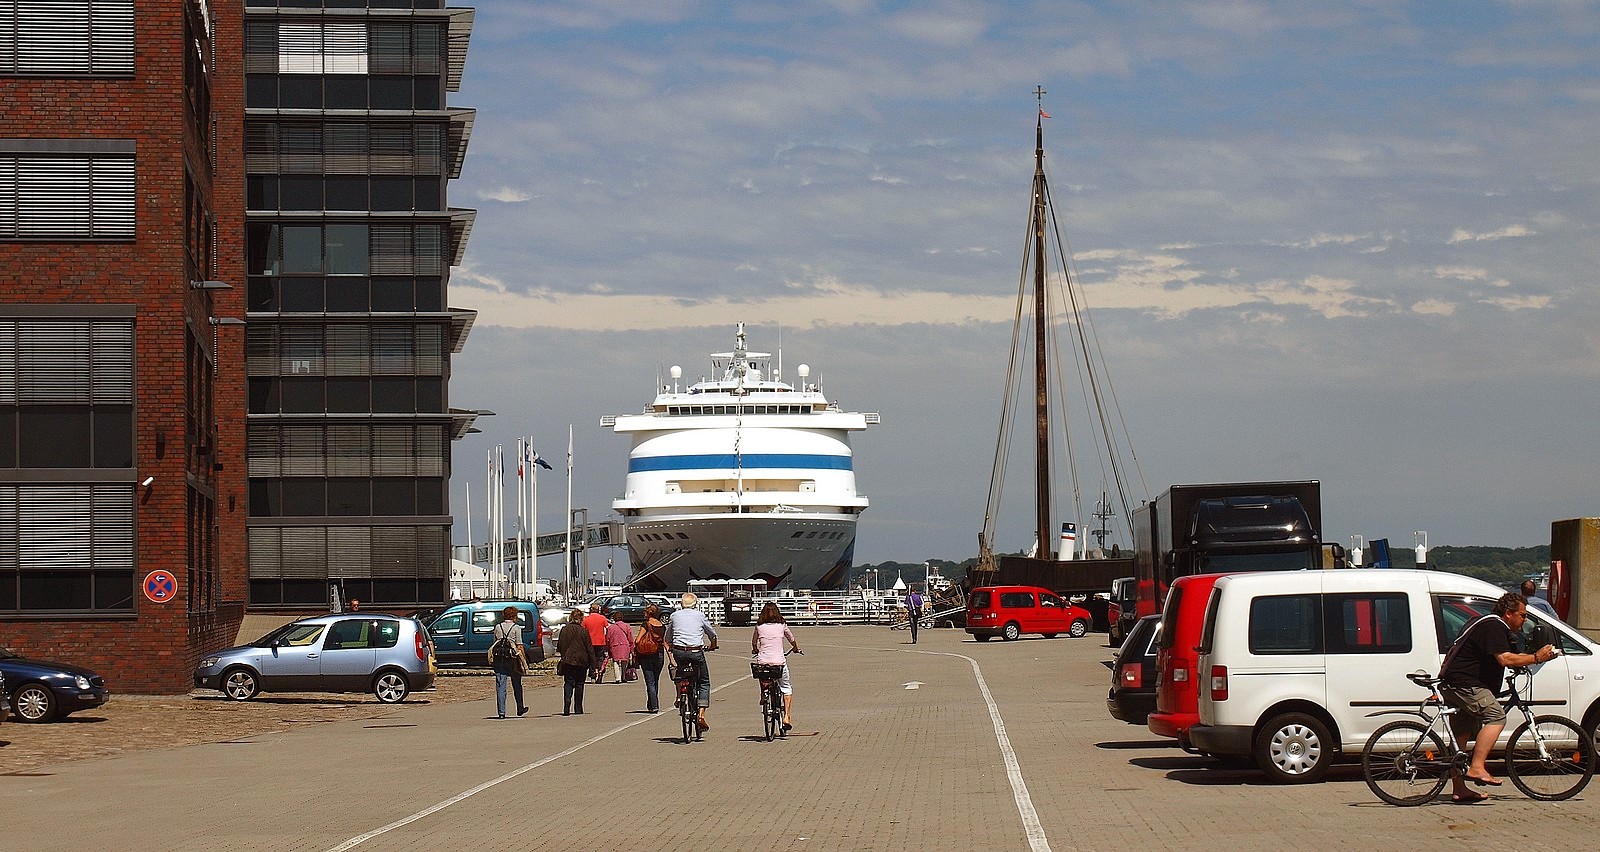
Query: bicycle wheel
point(777, 713)
point(1550, 759)
point(1406, 763)
point(687, 711)
point(767, 715)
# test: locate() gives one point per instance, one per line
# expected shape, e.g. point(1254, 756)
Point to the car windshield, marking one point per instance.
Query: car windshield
point(291, 635)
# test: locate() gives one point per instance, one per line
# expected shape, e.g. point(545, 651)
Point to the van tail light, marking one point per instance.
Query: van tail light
point(1132, 675)
point(1219, 683)
point(422, 647)
point(1180, 674)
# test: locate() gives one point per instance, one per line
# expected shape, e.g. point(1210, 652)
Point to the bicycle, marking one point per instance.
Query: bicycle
point(770, 677)
point(686, 675)
point(1407, 762)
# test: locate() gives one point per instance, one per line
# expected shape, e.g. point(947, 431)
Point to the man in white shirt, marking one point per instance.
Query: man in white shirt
point(689, 635)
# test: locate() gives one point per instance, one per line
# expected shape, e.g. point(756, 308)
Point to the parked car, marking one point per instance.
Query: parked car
point(629, 606)
point(1177, 678)
point(387, 655)
point(1133, 673)
point(463, 633)
point(1302, 666)
point(1010, 611)
point(40, 691)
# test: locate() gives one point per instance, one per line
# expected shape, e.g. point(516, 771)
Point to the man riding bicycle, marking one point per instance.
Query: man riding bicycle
point(1472, 672)
point(690, 635)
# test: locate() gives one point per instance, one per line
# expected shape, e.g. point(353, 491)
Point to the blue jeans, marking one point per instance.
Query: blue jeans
point(500, 691)
point(651, 665)
point(703, 685)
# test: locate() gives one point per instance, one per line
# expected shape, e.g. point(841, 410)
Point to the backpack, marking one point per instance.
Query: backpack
point(502, 651)
point(649, 642)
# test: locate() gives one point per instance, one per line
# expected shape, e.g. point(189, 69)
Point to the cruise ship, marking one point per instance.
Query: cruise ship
point(741, 476)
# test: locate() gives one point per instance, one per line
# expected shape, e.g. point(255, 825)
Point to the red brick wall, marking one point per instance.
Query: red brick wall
point(155, 648)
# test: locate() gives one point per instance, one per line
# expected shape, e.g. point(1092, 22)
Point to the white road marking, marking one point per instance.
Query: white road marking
point(467, 794)
point(912, 684)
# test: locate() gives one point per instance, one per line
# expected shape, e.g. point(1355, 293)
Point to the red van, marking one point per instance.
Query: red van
point(1010, 611)
point(1177, 685)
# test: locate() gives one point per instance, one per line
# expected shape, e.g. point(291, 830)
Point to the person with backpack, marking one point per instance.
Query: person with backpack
point(914, 611)
point(507, 658)
point(649, 649)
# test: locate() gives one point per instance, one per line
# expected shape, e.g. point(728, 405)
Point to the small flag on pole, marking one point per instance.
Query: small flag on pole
point(539, 460)
point(1043, 114)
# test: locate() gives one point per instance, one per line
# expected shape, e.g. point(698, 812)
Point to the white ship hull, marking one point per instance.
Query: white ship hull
point(738, 477)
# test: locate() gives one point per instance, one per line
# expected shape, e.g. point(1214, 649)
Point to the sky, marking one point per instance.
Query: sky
point(1344, 241)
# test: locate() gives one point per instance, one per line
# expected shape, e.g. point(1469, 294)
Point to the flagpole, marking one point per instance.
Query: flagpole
point(522, 518)
point(533, 519)
point(472, 557)
point(572, 564)
point(488, 519)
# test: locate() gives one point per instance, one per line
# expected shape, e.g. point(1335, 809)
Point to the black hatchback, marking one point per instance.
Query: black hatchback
point(1133, 673)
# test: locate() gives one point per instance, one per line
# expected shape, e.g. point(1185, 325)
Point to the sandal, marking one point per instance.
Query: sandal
point(1467, 798)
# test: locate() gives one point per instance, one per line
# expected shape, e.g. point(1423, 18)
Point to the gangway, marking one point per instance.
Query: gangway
point(584, 536)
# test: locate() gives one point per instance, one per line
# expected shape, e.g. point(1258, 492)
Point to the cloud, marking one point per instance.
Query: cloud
point(505, 194)
point(1462, 235)
point(1526, 301)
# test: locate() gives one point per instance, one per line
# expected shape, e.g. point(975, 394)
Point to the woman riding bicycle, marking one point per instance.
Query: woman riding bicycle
point(766, 642)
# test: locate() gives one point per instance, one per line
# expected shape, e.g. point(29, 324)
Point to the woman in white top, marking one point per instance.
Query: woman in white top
point(508, 667)
point(766, 642)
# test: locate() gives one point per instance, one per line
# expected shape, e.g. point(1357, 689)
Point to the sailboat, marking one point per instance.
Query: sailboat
point(1054, 561)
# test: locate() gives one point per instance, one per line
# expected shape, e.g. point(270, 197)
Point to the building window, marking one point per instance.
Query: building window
point(65, 196)
point(66, 548)
point(389, 565)
point(66, 393)
point(60, 37)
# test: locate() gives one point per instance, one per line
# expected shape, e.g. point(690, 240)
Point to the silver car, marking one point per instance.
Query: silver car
point(386, 655)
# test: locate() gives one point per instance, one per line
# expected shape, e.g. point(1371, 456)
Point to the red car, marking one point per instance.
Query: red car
point(1177, 682)
point(1010, 611)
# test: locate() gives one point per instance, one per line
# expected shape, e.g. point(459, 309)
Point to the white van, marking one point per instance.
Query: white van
point(1301, 666)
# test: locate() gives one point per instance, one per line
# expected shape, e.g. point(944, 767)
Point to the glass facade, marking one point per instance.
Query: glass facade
point(349, 148)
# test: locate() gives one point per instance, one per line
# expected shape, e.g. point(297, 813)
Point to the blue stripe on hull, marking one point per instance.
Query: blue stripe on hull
point(729, 461)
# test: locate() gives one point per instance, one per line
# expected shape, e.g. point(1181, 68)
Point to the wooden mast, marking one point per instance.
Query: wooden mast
point(1041, 401)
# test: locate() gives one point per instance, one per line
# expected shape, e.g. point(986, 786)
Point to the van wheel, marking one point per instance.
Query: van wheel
point(1294, 748)
point(1012, 632)
point(1078, 628)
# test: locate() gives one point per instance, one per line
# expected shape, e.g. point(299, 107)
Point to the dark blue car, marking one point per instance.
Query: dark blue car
point(40, 691)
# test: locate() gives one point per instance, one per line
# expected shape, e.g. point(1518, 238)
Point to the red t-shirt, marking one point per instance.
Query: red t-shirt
point(595, 623)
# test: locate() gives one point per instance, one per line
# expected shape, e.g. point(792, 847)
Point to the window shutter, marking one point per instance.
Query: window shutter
point(261, 449)
point(349, 551)
point(53, 362)
point(111, 362)
point(345, 147)
point(394, 553)
point(391, 250)
point(349, 450)
point(430, 250)
point(431, 450)
point(261, 47)
point(299, 48)
point(302, 451)
point(305, 552)
point(344, 47)
point(266, 553)
point(348, 348)
point(391, 48)
point(75, 527)
point(67, 197)
point(112, 198)
point(391, 149)
point(393, 451)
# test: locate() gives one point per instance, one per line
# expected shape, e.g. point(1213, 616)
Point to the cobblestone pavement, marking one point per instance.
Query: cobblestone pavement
point(129, 723)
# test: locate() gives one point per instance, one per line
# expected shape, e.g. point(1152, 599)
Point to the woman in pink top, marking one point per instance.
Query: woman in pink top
point(619, 645)
point(767, 644)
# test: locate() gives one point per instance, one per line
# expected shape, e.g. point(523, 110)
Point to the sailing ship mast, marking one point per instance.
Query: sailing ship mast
point(1041, 388)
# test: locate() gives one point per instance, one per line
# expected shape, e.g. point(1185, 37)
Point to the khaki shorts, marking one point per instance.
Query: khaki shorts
point(1478, 707)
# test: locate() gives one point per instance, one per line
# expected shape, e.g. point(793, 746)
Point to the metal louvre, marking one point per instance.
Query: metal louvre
point(301, 451)
point(260, 47)
point(394, 451)
point(346, 449)
point(75, 197)
point(70, 527)
point(347, 148)
point(345, 552)
point(261, 451)
point(66, 37)
point(66, 361)
point(349, 451)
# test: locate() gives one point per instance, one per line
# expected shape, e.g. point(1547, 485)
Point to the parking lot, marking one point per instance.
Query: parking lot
point(1001, 745)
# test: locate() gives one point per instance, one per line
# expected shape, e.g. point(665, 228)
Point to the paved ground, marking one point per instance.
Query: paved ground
point(999, 746)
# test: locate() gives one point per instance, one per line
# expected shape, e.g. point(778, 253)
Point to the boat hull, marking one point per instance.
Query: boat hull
point(788, 550)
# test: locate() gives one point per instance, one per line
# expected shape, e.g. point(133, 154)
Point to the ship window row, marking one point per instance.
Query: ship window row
point(347, 449)
point(344, 47)
point(347, 496)
point(664, 536)
point(818, 534)
point(64, 37)
point(345, 294)
point(345, 349)
point(344, 148)
point(66, 548)
point(67, 196)
point(387, 193)
point(346, 396)
point(345, 248)
point(690, 410)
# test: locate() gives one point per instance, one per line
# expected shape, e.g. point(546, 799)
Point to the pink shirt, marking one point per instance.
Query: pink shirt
point(769, 642)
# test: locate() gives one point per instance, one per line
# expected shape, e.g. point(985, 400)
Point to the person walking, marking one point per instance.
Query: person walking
point(596, 623)
point(649, 648)
point(619, 645)
point(576, 651)
point(506, 656)
point(689, 635)
point(914, 609)
point(766, 643)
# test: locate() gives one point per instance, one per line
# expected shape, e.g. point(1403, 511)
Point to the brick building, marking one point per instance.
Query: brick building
point(121, 364)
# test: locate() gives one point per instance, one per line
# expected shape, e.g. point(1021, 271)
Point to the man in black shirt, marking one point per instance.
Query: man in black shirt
point(1473, 671)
